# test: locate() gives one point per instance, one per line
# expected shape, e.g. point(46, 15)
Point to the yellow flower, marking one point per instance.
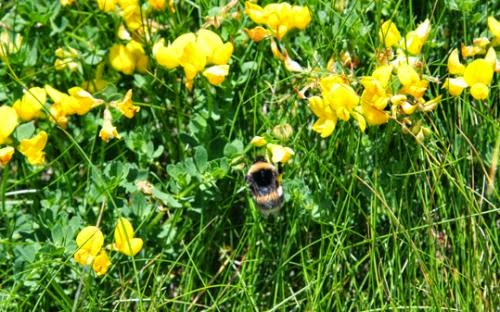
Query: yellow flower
point(121, 59)
point(258, 33)
point(9, 45)
point(84, 100)
point(126, 106)
point(471, 50)
point(8, 122)
point(280, 154)
point(131, 12)
point(216, 74)
point(158, 4)
point(389, 34)
point(193, 52)
point(454, 65)
point(479, 91)
point(414, 40)
point(279, 17)
point(125, 242)
point(478, 76)
point(30, 105)
point(211, 45)
point(375, 97)
point(6, 155)
point(108, 131)
point(89, 241)
point(66, 2)
point(342, 99)
point(327, 121)
point(338, 100)
point(412, 84)
point(258, 141)
point(128, 58)
point(455, 86)
point(33, 148)
point(494, 27)
point(106, 5)
point(101, 263)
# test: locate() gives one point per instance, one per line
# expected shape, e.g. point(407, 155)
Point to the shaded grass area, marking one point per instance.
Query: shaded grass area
point(371, 221)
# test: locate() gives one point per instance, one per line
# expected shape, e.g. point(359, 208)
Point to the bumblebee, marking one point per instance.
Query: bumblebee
point(264, 182)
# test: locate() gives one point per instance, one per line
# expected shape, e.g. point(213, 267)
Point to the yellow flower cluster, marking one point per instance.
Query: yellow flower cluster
point(278, 17)
point(278, 153)
point(31, 148)
point(193, 52)
point(90, 241)
point(31, 106)
point(378, 102)
point(338, 101)
point(411, 43)
point(128, 58)
point(478, 74)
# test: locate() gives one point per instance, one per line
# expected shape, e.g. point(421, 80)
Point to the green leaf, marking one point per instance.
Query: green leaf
point(24, 131)
point(166, 199)
point(234, 148)
point(201, 158)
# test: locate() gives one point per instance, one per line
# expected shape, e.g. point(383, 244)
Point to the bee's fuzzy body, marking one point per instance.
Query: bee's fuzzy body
point(264, 182)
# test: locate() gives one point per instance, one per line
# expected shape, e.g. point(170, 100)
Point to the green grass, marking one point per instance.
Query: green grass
point(371, 221)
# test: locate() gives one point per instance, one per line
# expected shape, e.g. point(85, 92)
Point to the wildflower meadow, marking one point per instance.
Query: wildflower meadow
point(129, 131)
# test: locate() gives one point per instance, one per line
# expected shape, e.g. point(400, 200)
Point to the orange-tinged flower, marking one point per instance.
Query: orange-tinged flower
point(280, 154)
point(258, 33)
point(471, 50)
point(106, 5)
point(454, 65)
point(89, 241)
point(30, 105)
point(8, 122)
point(455, 86)
point(108, 131)
point(32, 148)
point(126, 106)
point(389, 34)
point(411, 82)
point(158, 4)
point(125, 242)
point(6, 154)
point(216, 74)
point(101, 263)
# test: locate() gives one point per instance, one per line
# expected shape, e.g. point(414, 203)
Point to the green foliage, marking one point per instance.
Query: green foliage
point(371, 221)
